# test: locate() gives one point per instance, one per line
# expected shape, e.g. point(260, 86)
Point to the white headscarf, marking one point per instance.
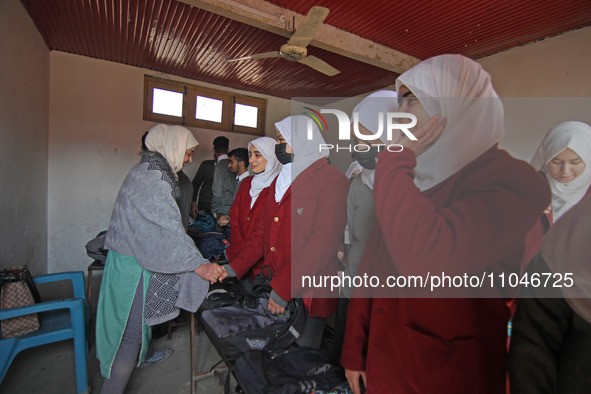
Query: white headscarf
point(459, 89)
point(368, 109)
point(566, 249)
point(576, 136)
point(294, 130)
point(171, 142)
point(265, 145)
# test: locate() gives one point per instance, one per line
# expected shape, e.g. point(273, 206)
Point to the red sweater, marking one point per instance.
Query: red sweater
point(315, 208)
point(474, 221)
point(243, 220)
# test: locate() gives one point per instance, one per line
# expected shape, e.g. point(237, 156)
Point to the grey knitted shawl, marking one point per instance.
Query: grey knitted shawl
point(146, 224)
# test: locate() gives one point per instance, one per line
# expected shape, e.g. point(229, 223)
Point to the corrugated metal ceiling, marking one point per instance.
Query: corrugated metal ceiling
point(174, 38)
point(474, 28)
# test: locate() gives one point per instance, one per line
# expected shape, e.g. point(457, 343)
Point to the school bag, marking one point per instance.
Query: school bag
point(249, 325)
point(246, 323)
point(290, 371)
point(226, 293)
point(211, 244)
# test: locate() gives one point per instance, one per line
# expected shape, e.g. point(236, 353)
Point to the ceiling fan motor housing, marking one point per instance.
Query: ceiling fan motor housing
point(293, 52)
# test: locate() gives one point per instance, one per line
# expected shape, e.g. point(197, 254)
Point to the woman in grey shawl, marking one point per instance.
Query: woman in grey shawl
point(149, 250)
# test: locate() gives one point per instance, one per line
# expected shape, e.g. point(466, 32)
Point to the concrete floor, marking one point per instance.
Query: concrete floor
point(50, 369)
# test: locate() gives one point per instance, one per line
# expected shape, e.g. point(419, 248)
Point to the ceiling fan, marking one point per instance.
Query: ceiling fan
point(295, 49)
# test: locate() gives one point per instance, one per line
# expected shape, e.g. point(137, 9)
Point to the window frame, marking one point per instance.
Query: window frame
point(190, 93)
point(253, 102)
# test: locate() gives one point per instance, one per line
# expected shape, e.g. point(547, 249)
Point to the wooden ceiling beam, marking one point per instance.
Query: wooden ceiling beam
point(279, 20)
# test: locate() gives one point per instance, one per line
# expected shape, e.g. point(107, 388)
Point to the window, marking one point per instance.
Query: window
point(173, 102)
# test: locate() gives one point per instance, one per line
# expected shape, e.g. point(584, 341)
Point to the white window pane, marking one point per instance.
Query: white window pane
point(167, 102)
point(245, 115)
point(209, 109)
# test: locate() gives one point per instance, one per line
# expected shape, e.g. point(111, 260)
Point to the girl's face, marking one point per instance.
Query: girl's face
point(188, 156)
point(408, 102)
point(256, 159)
point(565, 166)
point(281, 140)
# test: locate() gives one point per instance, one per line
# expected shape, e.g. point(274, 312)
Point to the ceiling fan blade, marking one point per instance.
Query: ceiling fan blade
point(265, 55)
point(319, 65)
point(307, 29)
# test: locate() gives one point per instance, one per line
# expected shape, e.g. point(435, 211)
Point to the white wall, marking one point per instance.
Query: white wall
point(95, 127)
point(24, 114)
point(542, 84)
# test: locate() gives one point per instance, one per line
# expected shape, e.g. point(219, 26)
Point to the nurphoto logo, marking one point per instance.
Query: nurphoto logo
point(391, 120)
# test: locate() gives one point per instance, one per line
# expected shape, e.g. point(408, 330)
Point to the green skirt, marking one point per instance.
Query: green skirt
point(120, 280)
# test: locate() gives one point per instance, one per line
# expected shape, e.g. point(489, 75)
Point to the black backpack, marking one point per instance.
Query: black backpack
point(290, 371)
point(246, 324)
point(212, 245)
point(226, 293)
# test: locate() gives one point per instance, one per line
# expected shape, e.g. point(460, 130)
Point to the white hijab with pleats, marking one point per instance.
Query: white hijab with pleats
point(369, 111)
point(294, 130)
point(266, 146)
point(171, 142)
point(460, 90)
point(577, 137)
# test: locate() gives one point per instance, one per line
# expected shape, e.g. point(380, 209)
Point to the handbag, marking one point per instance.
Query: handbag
point(18, 289)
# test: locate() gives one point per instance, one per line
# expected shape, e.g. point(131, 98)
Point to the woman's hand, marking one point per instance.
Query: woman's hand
point(210, 272)
point(274, 308)
point(224, 221)
point(353, 379)
point(426, 135)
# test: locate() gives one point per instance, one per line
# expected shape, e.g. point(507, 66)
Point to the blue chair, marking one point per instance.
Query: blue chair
point(58, 320)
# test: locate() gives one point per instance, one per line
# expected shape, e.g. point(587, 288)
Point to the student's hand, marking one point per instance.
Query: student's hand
point(224, 274)
point(210, 272)
point(224, 220)
point(194, 210)
point(274, 308)
point(353, 379)
point(426, 135)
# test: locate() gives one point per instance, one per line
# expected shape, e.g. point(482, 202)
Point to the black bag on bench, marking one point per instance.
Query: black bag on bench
point(245, 323)
point(227, 293)
point(236, 329)
point(291, 371)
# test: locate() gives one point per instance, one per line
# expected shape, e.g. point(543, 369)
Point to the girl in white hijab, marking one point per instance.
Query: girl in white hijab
point(450, 203)
point(360, 207)
point(294, 130)
point(303, 227)
point(564, 156)
point(264, 178)
point(459, 90)
point(248, 207)
point(368, 113)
